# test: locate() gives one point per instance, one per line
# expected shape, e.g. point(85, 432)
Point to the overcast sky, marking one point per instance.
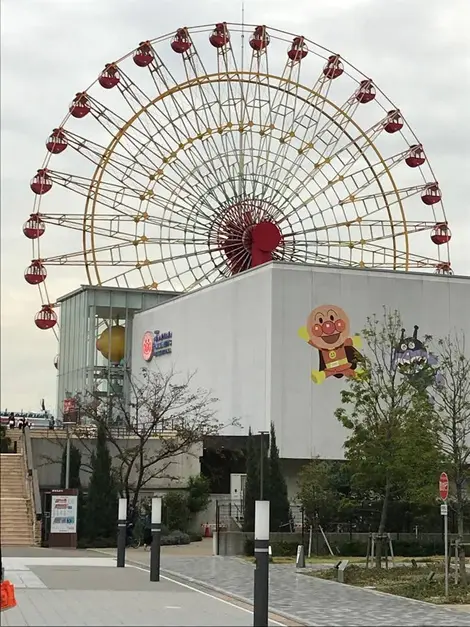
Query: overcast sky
point(417, 51)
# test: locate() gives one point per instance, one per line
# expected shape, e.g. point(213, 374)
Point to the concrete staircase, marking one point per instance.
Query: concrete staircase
point(16, 517)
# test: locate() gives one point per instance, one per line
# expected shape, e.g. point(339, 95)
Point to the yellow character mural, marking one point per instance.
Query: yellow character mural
point(328, 330)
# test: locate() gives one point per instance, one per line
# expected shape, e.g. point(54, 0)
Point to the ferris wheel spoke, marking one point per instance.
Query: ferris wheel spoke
point(118, 198)
point(146, 263)
point(192, 127)
point(370, 230)
point(281, 110)
point(346, 156)
point(139, 138)
point(103, 225)
point(385, 200)
point(79, 257)
point(170, 132)
point(301, 130)
point(94, 152)
point(383, 256)
point(357, 181)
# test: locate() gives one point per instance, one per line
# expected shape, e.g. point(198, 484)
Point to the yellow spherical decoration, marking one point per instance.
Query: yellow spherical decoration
point(111, 343)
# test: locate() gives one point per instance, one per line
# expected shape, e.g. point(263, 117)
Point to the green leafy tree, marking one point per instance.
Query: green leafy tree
point(392, 445)
point(102, 494)
point(198, 495)
point(175, 511)
point(317, 494)
point(280, 513)
point(251, 484)
point(451, 408)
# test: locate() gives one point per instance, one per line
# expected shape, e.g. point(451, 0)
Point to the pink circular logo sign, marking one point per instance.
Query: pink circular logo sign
point(147, 346)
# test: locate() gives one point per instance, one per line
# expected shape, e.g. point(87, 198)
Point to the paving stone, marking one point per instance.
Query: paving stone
point(317, 602)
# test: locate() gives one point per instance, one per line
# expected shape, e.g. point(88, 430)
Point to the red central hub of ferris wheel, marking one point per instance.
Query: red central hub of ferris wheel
point(248, 236)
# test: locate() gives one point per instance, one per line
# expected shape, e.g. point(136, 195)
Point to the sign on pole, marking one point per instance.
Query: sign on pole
point(444, 493)
point(444, 486)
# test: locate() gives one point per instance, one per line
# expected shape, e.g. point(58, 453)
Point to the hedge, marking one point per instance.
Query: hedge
point(402, 548)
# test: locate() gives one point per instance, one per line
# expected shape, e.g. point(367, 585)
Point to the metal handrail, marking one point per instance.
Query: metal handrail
point(33, 475)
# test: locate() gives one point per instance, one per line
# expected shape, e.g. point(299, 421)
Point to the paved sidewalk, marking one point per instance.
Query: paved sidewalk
point(66, 588)
point(312, 601)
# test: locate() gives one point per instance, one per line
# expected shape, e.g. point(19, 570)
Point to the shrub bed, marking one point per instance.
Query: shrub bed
point(403, 548)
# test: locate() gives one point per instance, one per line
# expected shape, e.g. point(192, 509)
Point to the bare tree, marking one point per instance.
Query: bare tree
point(163, 407)
point(451, 402)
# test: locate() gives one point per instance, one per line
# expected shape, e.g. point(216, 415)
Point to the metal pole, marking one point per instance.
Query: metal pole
point(261, 467)
point(67, 461)
point(446, 554)
point(261, 579)
point(156, 527)
point(122, 524)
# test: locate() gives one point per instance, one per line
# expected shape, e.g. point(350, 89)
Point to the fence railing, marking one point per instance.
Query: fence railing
point(32, 486)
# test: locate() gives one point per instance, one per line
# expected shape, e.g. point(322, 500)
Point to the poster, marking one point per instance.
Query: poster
point(64, 513)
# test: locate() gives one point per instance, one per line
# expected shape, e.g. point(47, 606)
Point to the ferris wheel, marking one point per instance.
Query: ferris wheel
point(211, 150)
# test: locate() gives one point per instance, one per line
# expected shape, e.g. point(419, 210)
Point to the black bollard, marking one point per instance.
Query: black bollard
point(261, 581)
point(156, 528)
point(122, 529)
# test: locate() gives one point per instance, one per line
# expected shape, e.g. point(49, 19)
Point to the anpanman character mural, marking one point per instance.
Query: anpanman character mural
point(328, 330)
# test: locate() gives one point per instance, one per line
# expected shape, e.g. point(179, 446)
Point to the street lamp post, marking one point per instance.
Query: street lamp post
point(67, 459)
point(261, 464)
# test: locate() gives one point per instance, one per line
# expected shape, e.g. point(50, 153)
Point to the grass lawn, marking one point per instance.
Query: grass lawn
point(406, 581)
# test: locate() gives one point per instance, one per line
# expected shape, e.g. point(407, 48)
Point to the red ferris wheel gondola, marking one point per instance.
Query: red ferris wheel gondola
point(109, 77)
point(431, 194)
point(57, 142)
point(441, 234)
point(34, 227)
point(181, 42)
point(259, 40)
point(35, 273)
point(393, 122)
point(41, 183)
point(298, 49)
point(46, 318)
point(80, 106)
point(220, 36)
point(333, 67)
point(143, 56)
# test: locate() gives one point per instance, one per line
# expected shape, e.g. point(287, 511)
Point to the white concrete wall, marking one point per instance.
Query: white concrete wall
point(47, 453)
point(304, 412)
point(240, 336)
point(223, 334)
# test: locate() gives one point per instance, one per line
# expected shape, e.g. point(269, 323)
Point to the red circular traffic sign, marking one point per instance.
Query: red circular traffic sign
point(444, 486)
